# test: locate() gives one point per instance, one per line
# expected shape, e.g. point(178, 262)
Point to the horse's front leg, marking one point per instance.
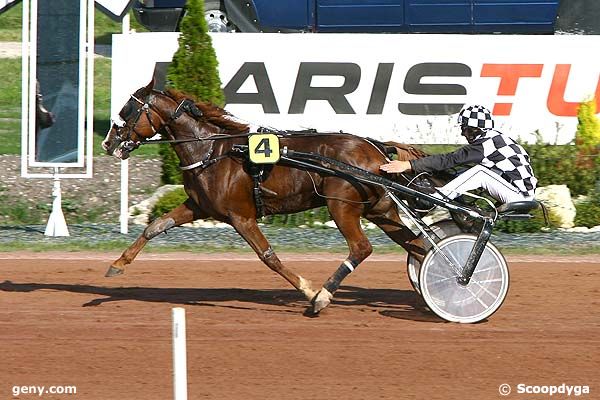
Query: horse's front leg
point(184, 213)
point(347, 219)
point(249, 230)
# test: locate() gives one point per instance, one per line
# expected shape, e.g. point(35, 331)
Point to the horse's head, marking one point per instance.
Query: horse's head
point(139, 121)
point(148, 112)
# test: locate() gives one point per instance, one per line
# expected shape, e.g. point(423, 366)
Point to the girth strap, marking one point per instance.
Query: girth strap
point(257, 174)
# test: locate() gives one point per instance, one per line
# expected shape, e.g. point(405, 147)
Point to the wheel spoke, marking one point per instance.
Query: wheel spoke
point(485, 306)
point(485, 289)
point(491, 267)
point(487, 280)
point(444, 277)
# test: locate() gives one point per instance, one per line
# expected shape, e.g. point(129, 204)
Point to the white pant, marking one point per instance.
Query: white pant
point(481, 177)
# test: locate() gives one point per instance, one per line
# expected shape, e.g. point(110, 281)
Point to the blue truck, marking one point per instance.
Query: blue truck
point(366, 16)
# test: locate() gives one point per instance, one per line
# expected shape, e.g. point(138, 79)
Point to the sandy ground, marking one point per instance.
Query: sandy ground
point(63, 324)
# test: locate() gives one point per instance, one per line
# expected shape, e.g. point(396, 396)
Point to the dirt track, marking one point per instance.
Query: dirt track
point(63, 323)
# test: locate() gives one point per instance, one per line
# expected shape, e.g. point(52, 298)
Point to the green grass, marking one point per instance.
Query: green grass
point(104, 26)
point(550, 250)
point(10, 106)
point(75, 245)
point(438, 148)
point(10, 24)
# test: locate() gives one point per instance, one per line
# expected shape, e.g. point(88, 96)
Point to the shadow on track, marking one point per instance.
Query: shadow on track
point(402, 304)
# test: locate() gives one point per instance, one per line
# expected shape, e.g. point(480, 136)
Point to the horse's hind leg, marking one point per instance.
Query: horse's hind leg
point(347, 219)
point(184, 213)
point(249, 230)
point(390, 223)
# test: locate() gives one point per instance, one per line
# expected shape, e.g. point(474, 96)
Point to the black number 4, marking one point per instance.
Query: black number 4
point(263, 147)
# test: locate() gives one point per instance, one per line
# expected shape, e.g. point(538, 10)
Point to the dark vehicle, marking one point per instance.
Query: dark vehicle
point(368, 16)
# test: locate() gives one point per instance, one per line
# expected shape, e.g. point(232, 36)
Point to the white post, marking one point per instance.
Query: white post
point(56, 222)
point(124, 212)
point(126, 23)
point(124, 196)
point(179, 355)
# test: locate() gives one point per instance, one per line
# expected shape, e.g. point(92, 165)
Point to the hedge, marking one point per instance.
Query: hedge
point(194, 71)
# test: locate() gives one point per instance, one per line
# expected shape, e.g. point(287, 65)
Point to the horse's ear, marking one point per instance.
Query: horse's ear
point(150, 86)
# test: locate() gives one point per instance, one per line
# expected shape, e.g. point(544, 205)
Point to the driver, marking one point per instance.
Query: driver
point(501, 167)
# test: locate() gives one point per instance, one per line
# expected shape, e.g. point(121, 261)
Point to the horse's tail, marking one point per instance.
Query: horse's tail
point(404, 152)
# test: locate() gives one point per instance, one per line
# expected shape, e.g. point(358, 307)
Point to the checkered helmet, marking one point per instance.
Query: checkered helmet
point(476, 117)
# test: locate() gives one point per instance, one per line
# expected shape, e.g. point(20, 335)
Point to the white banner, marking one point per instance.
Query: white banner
point(7, 3)
point(401, 87)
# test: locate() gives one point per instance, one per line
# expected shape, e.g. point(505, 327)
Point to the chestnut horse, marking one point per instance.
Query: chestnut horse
point(217, 181)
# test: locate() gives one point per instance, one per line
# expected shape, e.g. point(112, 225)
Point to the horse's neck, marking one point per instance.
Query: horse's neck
point(187, 127)
point(196, 150)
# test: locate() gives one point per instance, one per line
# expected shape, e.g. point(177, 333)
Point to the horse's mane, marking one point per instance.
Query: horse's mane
point(211, 113)
point(406, 152)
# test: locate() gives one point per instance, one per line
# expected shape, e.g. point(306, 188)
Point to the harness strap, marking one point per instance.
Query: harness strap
point(258, 200)
point(257, 174)
point(204, 163)
point(194, 165)
point(186, 106)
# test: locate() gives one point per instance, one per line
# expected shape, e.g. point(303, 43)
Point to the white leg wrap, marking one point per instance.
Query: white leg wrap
point(349, 265)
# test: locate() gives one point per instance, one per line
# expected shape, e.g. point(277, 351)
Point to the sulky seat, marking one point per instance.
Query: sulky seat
point(517, 210)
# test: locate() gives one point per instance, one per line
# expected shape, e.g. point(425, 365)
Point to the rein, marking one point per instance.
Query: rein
point(188, 106)
point(280, 134)
point(197, 139)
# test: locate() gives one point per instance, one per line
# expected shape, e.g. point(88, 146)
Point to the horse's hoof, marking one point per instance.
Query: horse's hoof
point(112, 271)
point(321, 300)
point(310, 312)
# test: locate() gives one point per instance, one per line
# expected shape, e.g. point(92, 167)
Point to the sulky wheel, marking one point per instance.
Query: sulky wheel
point(456, 302)
point(441, 229)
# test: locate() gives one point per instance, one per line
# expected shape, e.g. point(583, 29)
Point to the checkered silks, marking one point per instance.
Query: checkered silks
point(507, 158)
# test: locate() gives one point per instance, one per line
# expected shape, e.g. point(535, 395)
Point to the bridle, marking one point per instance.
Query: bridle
point(186, 105)
point(131, 121)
